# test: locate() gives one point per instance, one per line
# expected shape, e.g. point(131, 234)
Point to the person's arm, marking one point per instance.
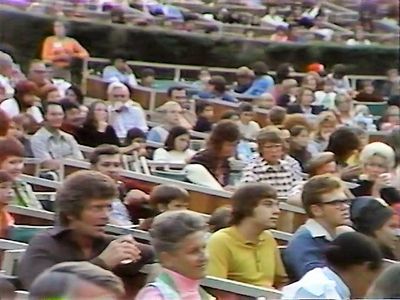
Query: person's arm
point(281, 277)
point(160, 155)
point(79, 51)
point(219, 256)
point(39, 149)
point(76, 153)
point(37, 258)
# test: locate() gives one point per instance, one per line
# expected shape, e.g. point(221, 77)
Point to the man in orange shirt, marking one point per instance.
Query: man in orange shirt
point(61, 50)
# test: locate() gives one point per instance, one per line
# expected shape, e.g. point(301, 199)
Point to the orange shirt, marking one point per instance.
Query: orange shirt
point(59, 51)
point(6, 220)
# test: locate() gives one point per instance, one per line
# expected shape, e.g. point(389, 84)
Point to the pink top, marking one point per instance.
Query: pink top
point(188, 288)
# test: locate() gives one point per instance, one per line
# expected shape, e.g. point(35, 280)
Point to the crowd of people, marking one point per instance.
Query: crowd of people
point(314, 149)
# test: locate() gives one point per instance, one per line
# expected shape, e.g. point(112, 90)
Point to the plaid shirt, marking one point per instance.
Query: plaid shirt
point(280, 176)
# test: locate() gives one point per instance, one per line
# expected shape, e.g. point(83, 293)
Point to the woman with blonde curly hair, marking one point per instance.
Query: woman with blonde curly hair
point(326, 124)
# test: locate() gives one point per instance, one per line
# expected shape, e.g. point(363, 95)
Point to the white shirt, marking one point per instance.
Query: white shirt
point(6, 84)
point(324, 99)
point(173, 156)
point(249, 131)
point(11, 108)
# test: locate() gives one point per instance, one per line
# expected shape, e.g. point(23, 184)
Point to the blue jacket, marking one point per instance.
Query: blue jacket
point(304, 253)
point(260, 86)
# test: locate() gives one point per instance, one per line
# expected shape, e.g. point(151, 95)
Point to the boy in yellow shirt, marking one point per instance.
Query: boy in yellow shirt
point(245, 251)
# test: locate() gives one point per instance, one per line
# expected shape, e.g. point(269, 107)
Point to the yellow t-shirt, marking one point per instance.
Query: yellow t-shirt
point(234, 258)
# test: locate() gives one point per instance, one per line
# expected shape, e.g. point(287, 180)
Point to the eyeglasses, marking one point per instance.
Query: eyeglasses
point(337, 202)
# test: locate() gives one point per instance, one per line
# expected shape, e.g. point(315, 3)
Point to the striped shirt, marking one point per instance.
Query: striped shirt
point(280, 176)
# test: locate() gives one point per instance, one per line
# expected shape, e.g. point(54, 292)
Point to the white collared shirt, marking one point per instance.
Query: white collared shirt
point(317, 230)
point(129, 116)
point(11, 108)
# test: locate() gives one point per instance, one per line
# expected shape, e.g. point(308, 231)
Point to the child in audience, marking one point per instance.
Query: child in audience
point(205, 114)
point(248, 128)
point(220, 218)
point(6, 195)
point(148, 78)
point(166, 197)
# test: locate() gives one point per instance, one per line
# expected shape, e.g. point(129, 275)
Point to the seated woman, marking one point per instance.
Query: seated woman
point(178, 239)
point(12, 161)
point(374, 218)
point(376, 180)
point(220, 147)
point(391, 119)
point(299, 139)
point(166, 197)
point(326, 125)
point(6, 195)
point(176, 148)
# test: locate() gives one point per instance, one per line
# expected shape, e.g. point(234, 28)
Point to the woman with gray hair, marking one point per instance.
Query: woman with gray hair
point(378, 161)
point(76, 280)
point(179, 240)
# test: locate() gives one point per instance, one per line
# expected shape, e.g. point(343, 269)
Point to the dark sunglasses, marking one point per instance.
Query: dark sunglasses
point(337, 202)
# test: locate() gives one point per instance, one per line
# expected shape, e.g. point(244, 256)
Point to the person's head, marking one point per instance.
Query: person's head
point(54, 114)
point(339, 71)
point(107, 160)
point(356, 259)
point(52, 94)
point(281, 30)
point(392, 115)
point(25, 93)
point(373, 217)
point(168, 197)
point(230, 115)
point(387, 285)
point(179, 240)
point(393, 139)
point(324, 199)
point(118, 92)
point(270, 146)
point(59, 29)
point(76, 280)
point(305, 96)
point(6, 64)
point(368, 87)
point(171, 111)
point(97, 113)
point(6, 190)
point(377, 158)
point(293, 120)
point(217, 84)
point(329, 85)
point(290, 86)
point(277, 115)
point(284, 71)
point(325, 125)
point(204, 75)
point(246, 112)
point(265, 101)
point(204, 109)
point(224, 138)
point(177, 94)
point(343, 150)
point(119, 61)
point(147, 78)
point(21, 125)
point(322, 163)
point(11, 156)
point(256, 203)
point(244, 76)
point(135, 135)
point(299, 137)
point(393, 74)
point(74, 94)
point(178, 139)
point(309, 81)
point(37, 72)
point(220, 218)
point(260, 68)
point(72, 112)
point(83, 202)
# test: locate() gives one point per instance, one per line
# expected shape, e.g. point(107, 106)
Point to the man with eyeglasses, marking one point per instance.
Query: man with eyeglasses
point(269, 167)
point(124, 114)
point(327, 207)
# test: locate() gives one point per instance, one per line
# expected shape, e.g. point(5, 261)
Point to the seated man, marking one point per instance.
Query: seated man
point(179, 95)
point(50, 144)
point(327, 207)
point(246, 252)
point(119, 71)
point(172, 112)
point(269, 167)
point(82, 204)
point(124, 114)
point(216, 89)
